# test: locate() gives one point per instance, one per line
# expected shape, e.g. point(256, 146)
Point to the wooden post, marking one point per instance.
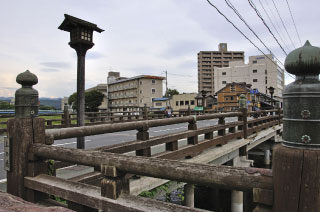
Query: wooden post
point(23, 131)
point(66, 116)
point(245, 122)
point(296, 174)
point(221, 132)
point(193, 126)
point(114, 182)
point(143, 135)
point(172, 146)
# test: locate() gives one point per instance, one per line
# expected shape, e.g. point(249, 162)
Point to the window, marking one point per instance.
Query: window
point(231, 98)
point(140, 82)
point(265, 71)
point(186, 102)
point(140, 100)
point(255, 80)
point(153, 81)
point(255, 71)
point(254, 61)
point(224, 73)
point(181, 102)
point(226, 98)
point(224, 82)
point(232, 88)
point(192, 102)
point(153, 90)
point(140, 91)
point(177, 103)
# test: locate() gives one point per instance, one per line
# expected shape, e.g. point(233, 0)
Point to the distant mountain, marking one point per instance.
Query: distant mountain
point(54, 102)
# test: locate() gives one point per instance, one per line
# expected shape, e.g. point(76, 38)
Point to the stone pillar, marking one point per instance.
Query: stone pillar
point(189, 195)
point(267, 160)
point(237, 196)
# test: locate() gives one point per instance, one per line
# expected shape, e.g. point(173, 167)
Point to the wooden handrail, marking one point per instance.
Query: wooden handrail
point(207, 175)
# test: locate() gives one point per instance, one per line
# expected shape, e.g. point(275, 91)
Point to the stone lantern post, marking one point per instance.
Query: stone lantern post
point(296, 169)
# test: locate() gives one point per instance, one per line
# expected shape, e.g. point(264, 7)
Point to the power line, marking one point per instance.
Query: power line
point(244, 34)
point(244, 21)
point(273, 25)
point(294, 22)
point(264, 23)
point(285, 28)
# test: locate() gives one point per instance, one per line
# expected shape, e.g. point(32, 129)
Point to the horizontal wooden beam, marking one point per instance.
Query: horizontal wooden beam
point(207, 175)
point(109, 128)
point(136, 145)
point(90, 196)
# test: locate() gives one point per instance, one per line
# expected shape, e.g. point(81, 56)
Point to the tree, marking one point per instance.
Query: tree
point(46, 107)
point(171, 92)
point(5, 105)
point(93, 100)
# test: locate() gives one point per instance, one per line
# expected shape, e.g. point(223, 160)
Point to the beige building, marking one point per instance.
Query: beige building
point(131, 93)
point(260, 72)
point(103, 88)
point(183, 101)
point(207, 60)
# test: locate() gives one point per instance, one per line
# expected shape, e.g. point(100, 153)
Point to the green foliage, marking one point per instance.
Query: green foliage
point(5, 105)
point(93, 100)
point(171, 92)
point(153, 192)
point(51, 169)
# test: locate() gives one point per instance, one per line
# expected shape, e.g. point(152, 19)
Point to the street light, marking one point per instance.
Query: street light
point(203, 94)
point(271, 91)
point(81, 40)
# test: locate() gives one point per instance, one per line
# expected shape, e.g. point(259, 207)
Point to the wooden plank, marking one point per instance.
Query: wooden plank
point(310, 186)
point(261, 208)
point(207, 175)
point(194, 150)
point(287, 169)
point(263, 196)
point(90, 196)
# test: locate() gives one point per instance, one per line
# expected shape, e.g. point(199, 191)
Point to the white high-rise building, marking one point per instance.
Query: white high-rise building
point(261, 72)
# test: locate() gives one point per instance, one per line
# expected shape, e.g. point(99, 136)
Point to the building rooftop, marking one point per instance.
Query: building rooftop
point(138, 77)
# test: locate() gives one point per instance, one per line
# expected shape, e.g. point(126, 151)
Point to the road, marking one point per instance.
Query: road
point(115, 138)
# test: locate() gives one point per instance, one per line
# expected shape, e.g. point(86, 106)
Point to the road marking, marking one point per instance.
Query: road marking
point(168, 129)
point(69, 143)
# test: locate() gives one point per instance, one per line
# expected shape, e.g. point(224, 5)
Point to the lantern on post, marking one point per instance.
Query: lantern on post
point(242, 101)
point(81, 40)
point(271, 91)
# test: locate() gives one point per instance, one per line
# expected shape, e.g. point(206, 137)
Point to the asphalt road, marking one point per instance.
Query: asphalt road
point(115, 138)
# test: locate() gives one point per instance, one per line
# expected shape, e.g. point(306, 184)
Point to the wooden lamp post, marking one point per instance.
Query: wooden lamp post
point(81, 40)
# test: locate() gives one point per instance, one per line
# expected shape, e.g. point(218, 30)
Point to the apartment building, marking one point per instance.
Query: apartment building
point(127, 94)
point(208, 60)
point(183, 101)
point(261, 72)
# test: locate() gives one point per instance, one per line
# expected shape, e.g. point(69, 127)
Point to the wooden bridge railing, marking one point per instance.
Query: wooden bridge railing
point(28, 177)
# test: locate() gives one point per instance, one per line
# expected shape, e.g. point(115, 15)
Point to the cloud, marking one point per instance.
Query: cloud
point(49, 70)
point(92, 55)
point(181, 48)
point(56, 64)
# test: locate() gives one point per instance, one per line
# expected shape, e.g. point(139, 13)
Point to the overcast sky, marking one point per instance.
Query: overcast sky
point(140, 37)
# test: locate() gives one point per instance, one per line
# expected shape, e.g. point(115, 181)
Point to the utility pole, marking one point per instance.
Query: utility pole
point(166, 80)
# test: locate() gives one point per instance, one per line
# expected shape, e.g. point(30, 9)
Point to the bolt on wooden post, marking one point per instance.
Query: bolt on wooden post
point(296, 167)
point(24, 130)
